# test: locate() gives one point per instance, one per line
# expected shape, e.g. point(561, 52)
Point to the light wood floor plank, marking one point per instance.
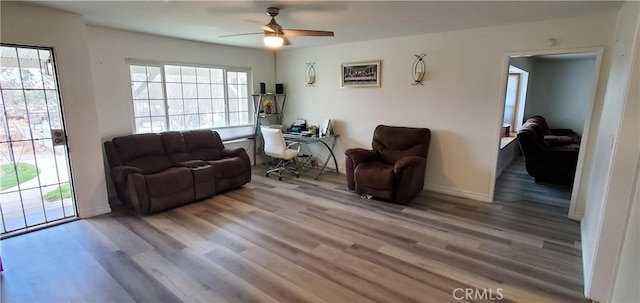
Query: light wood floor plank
point(306, 240)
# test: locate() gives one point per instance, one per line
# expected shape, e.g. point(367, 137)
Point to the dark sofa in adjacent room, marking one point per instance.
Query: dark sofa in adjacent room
point(154, 172)
point(549, 158)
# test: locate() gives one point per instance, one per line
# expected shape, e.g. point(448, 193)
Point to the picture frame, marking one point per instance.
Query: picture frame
point(360, 74)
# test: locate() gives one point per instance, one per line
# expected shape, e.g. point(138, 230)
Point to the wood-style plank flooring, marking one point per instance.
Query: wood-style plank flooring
point(515, 185)
point(302, 240)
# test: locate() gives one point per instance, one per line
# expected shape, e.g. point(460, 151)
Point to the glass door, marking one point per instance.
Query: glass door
point(35, 177)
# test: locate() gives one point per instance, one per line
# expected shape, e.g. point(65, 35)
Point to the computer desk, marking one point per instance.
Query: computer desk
point(329, 141)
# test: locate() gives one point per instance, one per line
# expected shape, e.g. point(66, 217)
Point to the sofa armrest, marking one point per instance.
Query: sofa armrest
point(355, 156)
point(359, 155)
point(119, 174)
point(232, 152)
point(409, 172)
point(555, 140)
point(409, 161)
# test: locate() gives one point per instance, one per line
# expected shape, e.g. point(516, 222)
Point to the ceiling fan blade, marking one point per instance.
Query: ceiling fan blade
point(235, 35)
point(304, 32)
point(285, 41)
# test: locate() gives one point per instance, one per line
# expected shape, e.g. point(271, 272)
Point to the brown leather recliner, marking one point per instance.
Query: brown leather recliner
point(394, 170)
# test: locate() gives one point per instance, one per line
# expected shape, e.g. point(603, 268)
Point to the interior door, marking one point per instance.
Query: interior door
point(35, 179)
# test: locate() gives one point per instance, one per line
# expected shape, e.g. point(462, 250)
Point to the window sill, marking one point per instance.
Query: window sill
point(504, 141)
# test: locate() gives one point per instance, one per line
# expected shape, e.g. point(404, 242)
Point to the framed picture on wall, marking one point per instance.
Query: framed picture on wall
point(360, 74)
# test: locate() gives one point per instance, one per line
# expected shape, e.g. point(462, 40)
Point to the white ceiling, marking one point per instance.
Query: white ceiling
point(350, 20)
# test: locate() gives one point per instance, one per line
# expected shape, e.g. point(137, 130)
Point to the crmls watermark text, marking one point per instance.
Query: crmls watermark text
point(478, 294)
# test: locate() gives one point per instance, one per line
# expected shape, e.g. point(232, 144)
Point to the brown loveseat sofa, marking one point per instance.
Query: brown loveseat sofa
point(154, 172)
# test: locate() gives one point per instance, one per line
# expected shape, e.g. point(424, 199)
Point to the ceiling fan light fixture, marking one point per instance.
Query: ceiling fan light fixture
point(273, 40)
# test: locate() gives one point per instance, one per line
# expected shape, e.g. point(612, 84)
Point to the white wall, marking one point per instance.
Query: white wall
point(628, 275)
point(28, 24)
point(461, 101)
point(111, 48)
point(611, 181)
point(560, 90)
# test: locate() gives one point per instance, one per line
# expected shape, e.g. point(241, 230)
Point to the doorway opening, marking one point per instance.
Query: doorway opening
point(36, 187)
point(541, 162)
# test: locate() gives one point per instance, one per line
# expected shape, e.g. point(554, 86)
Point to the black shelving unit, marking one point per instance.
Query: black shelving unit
point(262, 118)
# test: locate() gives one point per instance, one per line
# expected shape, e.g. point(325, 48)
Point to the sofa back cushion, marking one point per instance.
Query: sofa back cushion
point(174, 147)
point(395, 142)
point(144, 151)
point(203, 144)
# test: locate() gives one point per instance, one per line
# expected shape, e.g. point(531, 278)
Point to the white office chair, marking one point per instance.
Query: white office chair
point(275, 146)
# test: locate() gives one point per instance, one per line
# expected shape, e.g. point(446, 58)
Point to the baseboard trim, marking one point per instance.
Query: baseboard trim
point(94, 211)
point(461, 193)
point(577, 216)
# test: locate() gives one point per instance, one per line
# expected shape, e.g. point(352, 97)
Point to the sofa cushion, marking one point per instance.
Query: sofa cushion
point(203, 144)
point(144, 151)
point(374, 174)
point(558, 140)
point(174, 147)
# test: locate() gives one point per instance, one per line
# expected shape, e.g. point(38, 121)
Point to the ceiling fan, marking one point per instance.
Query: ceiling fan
point(276, 36)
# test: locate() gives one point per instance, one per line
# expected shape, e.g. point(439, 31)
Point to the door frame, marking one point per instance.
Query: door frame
point(67, 153)
point(579, 180)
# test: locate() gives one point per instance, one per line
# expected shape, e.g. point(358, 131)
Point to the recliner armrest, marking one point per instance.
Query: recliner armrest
point(232, 152)
point(359, 155)
point(408, 161)
point(119, 173)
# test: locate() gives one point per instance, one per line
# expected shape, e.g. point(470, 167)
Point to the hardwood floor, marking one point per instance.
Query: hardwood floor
point(302, 240)
point(515, 185)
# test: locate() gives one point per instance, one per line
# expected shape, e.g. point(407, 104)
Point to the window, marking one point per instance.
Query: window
point(515, 98)
point(511, 100)
point(178, 97)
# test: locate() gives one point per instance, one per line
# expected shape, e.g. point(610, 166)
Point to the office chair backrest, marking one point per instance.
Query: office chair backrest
point(273, 141)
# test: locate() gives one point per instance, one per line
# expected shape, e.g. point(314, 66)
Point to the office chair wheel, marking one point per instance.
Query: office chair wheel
point(267, 174)
point(297, 175)
point(280, 178)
